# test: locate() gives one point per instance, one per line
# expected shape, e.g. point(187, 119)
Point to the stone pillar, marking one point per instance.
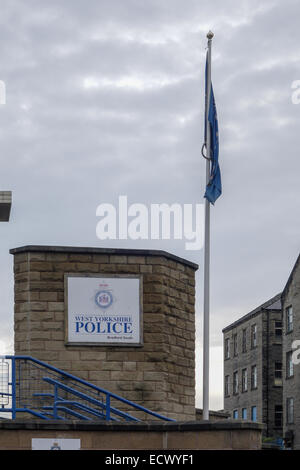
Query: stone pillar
point(160, 374)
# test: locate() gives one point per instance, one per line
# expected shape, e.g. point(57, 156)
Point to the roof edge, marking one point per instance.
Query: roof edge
point(109, 251)
point(253, 313)
point(284, 292)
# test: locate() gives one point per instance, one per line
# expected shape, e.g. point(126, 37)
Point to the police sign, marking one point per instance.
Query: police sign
point(103, 310)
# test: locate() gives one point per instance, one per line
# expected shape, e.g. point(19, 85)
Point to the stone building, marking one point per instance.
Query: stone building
point(291, 367)
point(158, 373)
point(253, 367)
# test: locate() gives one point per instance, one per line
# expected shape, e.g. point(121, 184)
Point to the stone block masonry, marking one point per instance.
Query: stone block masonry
point(222, 435)
point(160, 374)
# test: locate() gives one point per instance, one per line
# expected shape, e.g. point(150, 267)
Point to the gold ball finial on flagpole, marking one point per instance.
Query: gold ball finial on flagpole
point(210, 35)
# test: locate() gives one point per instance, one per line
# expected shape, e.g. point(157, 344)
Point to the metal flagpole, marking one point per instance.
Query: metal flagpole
point(207, 243)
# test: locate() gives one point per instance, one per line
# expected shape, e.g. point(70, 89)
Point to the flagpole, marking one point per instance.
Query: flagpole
point(207, 245)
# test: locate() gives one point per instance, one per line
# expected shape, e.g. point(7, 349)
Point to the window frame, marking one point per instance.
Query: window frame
point(235, 386)
point(289, 319)
point(254, 377)
point(276, 413)
point(254, 336)
point(278, 372)
point(227, 348)
point(244, 340)
point(254, 407)
point(227, 386)
point(244, 380)
point(278, 328)
point(289, 365)
point(289, 418)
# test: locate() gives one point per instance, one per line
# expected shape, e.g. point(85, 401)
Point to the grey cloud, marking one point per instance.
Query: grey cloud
point(65, 148)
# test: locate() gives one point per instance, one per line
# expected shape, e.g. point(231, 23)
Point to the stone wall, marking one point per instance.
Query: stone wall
point(160, 375)
point(272, 389)
point(213, 415)
point(291, 297)
point(267, 394)
point(245, 360)
point(109, 436)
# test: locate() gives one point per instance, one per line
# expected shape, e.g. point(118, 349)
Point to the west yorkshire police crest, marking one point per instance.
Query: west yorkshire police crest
point(104, 299)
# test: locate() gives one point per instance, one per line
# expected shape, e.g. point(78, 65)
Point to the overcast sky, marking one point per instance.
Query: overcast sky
point(106, 98)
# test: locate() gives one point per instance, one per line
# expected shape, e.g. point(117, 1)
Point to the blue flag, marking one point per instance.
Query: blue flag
point(214, 186)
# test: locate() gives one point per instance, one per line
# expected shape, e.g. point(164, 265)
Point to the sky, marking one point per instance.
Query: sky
point(106, 98)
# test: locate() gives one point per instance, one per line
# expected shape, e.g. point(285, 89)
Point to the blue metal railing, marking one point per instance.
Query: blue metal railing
point(44, 391)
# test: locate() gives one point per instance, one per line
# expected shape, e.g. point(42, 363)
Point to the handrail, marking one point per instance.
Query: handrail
point(84, 382)
point(90, 399)
point(58, 402)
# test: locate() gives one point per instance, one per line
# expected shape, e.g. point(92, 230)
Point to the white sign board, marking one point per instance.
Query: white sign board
point(55, 444)
point(103, 310)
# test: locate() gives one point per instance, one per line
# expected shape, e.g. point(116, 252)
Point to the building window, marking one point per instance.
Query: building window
point(253, 336)
point(290, 410)
point(253, 377)
point(235, 383)
point(244, 413)
point(289, 319)
point(289, 365)
point(278, 374)
point(235, 345)
point(227, 348)
point(244, 341)
point(278, 328)
point(278, 416)
point(235, 414)
point(244, 380)
point(253, 413)
point(227, 386)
